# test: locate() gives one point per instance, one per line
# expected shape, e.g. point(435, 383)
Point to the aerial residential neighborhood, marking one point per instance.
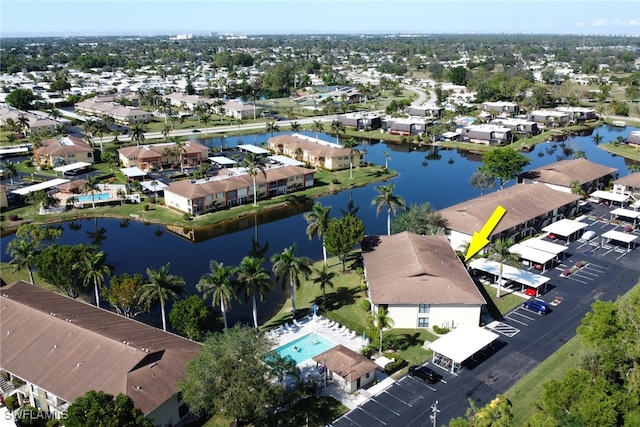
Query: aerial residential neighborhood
point(303, 226)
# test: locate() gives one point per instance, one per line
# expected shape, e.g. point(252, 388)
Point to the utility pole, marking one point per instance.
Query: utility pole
point(434, 413)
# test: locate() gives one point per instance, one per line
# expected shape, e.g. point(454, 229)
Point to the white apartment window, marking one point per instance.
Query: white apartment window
point(423, 322)
point(424, 308)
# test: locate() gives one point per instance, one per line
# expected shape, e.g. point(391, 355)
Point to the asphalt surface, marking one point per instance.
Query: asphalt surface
point(526, 339)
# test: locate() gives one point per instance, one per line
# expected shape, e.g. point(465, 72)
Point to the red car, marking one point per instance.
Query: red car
point(530, 292)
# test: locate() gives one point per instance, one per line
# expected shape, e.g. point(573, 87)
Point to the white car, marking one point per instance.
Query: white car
point(588, 235)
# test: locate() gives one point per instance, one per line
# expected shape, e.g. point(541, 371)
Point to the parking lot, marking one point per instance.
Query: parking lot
point(526, 338)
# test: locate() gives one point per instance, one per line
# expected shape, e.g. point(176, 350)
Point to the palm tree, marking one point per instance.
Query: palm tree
point(386, 199)
point(91, 187)
point(576, 188)
point(93, 269)
point(154, 184)
point(23, 255)
point(255, 281)
point(10, 171)
point(382, 322)
point(499, 251)
point(205, 117)
point(317, 126)
point(318, 222)
point(166, 130)
point(219, 284)
point(337, 128)
point(181, 148)
point(160, 288)
point(272, 127)
point(100, 129)
point(122, 194)
point(288, 268)
point(386, 159)
point(23, 122)
point(597, 138)
point(324, 277)
point(89, 128)
point(253, 165)
point(295, 127)
point(137, 133)
point(351, 144)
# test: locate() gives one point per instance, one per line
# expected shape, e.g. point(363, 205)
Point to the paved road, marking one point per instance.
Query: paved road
point(525, 341)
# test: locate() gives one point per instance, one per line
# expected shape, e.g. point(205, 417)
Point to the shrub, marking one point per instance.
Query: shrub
point(441, 331)
point(627, 228)
point(28, 163)
point(396, 365)
point(335, 181)
point(566, 272)
point(12, 217)
point(12, 403)
point(146, 207)
point(579, 264)
point(366, 304)
point(186, 216)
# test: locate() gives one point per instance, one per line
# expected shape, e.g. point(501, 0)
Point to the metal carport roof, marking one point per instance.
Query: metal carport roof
point(463, 342)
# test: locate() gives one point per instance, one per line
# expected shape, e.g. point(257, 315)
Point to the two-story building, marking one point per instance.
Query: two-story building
point(486, 134)
point(119, 113)
point(361, 121)
point(235, 187)
point(63, 151)
point(318, 153)
point(159, 156)
point(559, 175)
point(55, 349)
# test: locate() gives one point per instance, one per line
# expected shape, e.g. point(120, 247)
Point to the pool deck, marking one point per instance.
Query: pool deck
point(320, 325)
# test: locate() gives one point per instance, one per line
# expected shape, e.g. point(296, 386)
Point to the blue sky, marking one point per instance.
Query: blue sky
point(153, 17)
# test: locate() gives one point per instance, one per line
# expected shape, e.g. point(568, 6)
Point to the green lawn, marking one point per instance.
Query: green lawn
point(622, 150)
point(498, 307)
point(528, 390)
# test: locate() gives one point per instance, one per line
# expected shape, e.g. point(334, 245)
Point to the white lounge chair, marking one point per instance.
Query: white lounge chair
point(353, 334)
point(295, 322)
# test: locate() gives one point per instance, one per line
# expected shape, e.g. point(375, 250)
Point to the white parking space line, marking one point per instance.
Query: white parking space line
point(397, 398)
point(517, 311)
point(372, 416)
point(572, 277)
point(504, 329)
point(596, 266)
point(517, 321)
point(347, 417)
point(373, 399)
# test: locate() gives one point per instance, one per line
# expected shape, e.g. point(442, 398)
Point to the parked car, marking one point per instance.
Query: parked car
point(530, 292)
point(537, 305)
point(424, 373)
point(588, 235)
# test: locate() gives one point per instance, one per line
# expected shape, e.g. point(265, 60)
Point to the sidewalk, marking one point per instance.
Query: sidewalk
point(353, 400)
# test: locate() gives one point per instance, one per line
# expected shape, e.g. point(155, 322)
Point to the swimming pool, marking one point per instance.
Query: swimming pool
point(306, 347)
point(97, 197)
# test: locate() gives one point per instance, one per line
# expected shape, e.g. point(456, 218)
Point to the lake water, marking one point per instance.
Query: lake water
point(438, 176)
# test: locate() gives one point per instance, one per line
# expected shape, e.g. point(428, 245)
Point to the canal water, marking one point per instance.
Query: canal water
point(425, 174)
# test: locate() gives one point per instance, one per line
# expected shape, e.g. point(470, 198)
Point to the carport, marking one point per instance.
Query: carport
point(72, 167)
point(450, 350)
point(566, 228)
point(133, 172)
point(620, 237)
point(611, 197)
point(627, 213)
point(524, 278)
point(543, 245)
point(533, 256)
point(258, 151)
point(222, 161)
point(40, 186)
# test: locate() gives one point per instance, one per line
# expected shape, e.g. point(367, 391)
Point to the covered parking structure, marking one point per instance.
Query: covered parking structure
point(72, 167)
point(524, 278)
point(450, 350)
point(610, 197)
point(133, 173)
point(222, 161)
point(40, 186)
point(543, 245)
point(565, 228)
point(258, 151)
point(619, 236)
point(540, 260)
point(626, 213)
point(288, 161)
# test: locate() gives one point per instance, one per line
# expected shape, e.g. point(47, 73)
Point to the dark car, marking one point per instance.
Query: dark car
point(195, 131)
point(537, 305)
point(424, 373)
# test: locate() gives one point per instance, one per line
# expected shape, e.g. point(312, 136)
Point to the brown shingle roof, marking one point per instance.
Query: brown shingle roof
point(314, 148)
point(407, 268)
point(68, 347)
point(346, 363)
point(523, 202)
point(64, 145)
point(631, 180)
point(563, 172)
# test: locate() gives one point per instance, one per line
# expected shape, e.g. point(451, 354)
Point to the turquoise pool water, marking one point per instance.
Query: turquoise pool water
point(306, 347)
point(96, 197)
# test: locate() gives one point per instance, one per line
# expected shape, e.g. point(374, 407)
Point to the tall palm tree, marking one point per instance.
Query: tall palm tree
point(122, 194)
point(137, 133)
point(317, 127)
point(386, 199)
point(254, 166)
point(181, 148)
point(10, 171)
point(324, 277)
point(219, 284)
point(318, 222)
point(255, 281)
point(386, 159)
point(99, 130)
point(351, 144)
point(93, 268)
point(162, 286)
point(23, 122)
point(91, 187)
point(338, 129)
point(597, 138)
point(382, 322)
point(272, 127)
point(499, 251)
point(166, 130)
point(23, 255)
point(295, 127)
point(287, 268)
point(89, 127)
